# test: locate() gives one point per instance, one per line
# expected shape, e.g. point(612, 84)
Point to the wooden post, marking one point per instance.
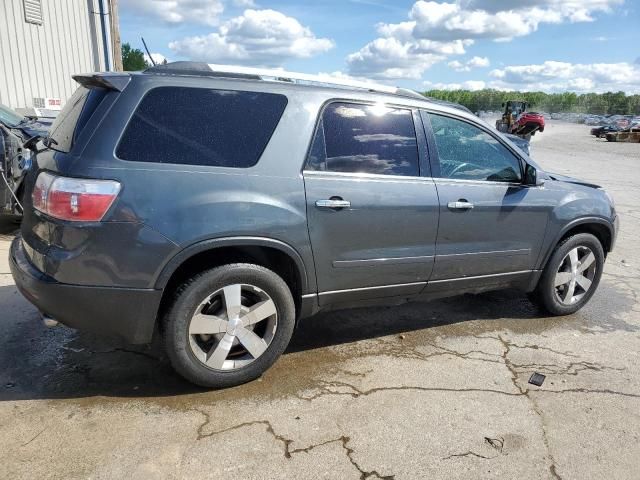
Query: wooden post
point(115, 36)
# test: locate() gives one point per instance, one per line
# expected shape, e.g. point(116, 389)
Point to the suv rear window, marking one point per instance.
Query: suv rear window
point(365, 139)
point(199, 126)
point(73, 117)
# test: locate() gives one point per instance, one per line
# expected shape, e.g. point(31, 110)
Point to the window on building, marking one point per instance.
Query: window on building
point(201, 126)
point(365, 139)
point(33, 11)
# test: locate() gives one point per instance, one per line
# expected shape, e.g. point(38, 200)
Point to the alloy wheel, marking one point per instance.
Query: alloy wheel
point(575, 275)
point(233, 327)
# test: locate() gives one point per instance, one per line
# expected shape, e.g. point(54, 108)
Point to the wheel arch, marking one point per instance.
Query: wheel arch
point(596, 226)
point(276, 255)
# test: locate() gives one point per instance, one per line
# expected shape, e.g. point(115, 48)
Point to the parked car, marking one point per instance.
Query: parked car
point(601, 130)
point(218, 207)
point(15, 159)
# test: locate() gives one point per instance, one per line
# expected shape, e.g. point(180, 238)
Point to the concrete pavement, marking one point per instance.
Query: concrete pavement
point(434, 390)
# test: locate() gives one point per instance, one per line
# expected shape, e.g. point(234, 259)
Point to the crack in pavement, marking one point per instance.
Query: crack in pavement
point(469, 454)
point(337, 387)
point(514, 378)
point(287, 451)
point(495, 443)
point(34, 437)
point(125, 350)
point(356, 392)
point(572, 369)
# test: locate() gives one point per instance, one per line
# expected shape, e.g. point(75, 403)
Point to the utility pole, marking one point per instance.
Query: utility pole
point(115, 36)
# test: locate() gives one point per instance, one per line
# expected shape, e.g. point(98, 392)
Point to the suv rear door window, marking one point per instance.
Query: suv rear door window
point(199, 126)
point(467, 152)
point(358, 138)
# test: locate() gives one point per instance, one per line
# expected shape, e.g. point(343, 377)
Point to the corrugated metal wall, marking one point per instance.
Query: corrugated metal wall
point(38, 60)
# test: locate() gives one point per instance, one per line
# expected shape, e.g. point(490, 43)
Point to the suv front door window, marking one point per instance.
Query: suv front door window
point(469, 153)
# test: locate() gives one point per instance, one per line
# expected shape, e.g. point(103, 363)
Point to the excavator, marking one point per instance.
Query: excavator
point(518, 121)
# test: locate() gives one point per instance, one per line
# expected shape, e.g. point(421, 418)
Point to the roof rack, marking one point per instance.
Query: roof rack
point(250, 73)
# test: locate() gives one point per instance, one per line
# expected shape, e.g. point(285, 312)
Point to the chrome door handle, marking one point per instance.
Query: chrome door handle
point(333, 203)
point(460, 205)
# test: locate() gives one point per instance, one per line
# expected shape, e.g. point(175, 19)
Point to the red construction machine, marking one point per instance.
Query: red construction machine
point(518, 121)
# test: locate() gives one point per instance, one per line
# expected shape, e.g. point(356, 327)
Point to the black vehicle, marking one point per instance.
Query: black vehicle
point(217, 208)
point(15, 159)
point(602, 130)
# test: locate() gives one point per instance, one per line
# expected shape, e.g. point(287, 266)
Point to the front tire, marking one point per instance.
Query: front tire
point(571, 276)
point(228, 325)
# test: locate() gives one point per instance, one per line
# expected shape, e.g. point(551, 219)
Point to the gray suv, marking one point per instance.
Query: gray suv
point(218, 207)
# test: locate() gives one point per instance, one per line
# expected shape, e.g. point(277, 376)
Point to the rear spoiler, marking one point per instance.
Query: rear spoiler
point(109, 80)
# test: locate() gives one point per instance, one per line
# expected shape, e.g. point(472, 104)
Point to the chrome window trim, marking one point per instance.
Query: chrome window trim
point(482, 182)
point(365, 176)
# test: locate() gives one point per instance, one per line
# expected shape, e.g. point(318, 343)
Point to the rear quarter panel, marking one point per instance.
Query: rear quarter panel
point(187, 204)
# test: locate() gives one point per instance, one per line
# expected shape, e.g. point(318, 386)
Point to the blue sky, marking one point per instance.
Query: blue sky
point(551, 45)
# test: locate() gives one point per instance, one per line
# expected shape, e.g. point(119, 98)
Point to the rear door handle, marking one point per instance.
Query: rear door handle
point(460, 205)
point(336, 203)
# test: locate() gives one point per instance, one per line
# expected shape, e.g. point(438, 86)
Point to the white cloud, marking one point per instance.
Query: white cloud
point(558, 76)
point(206, 12)
point(257, 37)
point(475, 62)
point(467, 85)
point(498, 20)
point(244, 3)
point(391, 58)
point(157, 57)
point(436, 30)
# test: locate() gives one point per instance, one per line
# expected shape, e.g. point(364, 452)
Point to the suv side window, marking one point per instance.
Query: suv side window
point(358, 138)
point(467, 152)
point(201, 126)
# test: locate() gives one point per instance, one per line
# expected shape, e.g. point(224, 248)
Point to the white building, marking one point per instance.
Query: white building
point(44, 42)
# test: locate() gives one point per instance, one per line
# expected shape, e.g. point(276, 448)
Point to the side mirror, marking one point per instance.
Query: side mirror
point(532, 176)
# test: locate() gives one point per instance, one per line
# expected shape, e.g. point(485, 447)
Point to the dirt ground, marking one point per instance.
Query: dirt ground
point(431, 390)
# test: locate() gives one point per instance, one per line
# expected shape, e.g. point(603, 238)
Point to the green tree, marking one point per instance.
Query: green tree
point(133, 59)
point(599, 103)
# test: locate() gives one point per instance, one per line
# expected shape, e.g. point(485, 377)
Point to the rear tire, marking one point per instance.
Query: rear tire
point(571, 276)
point(228, 325)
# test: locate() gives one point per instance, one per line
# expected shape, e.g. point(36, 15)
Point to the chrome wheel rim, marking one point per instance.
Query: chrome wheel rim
point(575, 275)
point(233, 327)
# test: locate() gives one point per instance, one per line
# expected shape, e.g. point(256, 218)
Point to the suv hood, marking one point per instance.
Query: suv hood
point(563, 178)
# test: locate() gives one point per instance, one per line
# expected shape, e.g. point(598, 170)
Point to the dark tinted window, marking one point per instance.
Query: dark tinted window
point(73, 117)
point(198, 126)
point(469, 153)
point(365, 139)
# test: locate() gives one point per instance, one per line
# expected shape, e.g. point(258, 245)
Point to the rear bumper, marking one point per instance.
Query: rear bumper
point(129, 313)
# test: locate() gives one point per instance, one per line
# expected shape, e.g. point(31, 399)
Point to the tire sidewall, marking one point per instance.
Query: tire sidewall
point(546, 288)
point(176, 323)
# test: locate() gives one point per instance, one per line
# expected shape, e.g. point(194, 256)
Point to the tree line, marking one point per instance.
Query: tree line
point(595, 103)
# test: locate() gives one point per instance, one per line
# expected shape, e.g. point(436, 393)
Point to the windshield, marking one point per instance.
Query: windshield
point(9, 117)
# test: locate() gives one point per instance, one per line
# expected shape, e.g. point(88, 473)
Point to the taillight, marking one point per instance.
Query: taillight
point(74, 199)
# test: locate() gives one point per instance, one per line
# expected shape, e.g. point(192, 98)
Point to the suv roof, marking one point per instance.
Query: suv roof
point(274, 75)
